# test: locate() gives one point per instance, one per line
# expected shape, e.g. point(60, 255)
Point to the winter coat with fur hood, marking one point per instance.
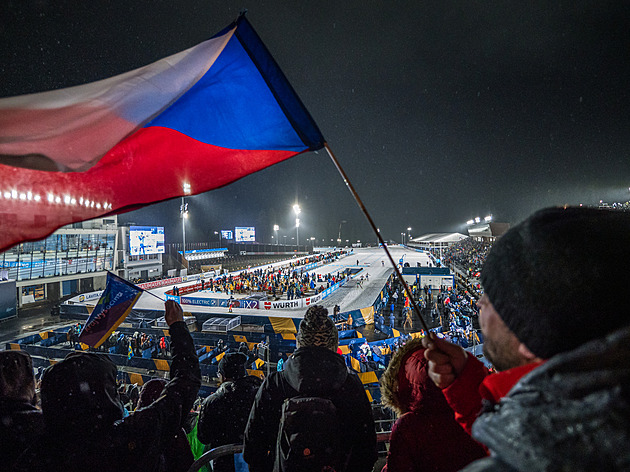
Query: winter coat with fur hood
point(426, 436)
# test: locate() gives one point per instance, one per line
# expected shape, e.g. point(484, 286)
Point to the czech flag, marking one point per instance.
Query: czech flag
point(112, 308)
point(189, 123)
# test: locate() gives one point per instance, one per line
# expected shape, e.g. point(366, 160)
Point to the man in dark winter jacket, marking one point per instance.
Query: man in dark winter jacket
point(83, 415)
point(315, 370)
point(20, 421)
point(556, 332)
point(224, 414)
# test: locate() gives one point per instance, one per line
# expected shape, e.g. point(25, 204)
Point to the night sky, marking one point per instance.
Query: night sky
point(438, 111)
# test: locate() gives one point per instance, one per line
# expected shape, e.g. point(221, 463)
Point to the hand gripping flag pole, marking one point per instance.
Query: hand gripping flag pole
point(354, 193)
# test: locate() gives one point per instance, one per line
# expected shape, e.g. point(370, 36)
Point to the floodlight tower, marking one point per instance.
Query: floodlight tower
point(183, 213)
point(297, 210)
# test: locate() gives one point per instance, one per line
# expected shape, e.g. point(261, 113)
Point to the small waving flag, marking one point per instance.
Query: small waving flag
point(186, 124)
point(112, 308)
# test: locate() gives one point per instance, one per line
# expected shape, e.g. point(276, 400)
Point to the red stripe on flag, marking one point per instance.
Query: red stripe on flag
point(147, 167)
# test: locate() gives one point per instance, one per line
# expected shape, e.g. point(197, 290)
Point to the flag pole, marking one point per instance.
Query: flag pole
point(135, 286)
point(378, 235)
point(151, 293)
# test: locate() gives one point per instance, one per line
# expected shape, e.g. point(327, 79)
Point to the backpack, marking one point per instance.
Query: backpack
point(309, 437)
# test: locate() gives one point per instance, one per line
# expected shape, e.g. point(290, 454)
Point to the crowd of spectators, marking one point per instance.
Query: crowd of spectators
point(290, 281)
point(468, 255)
point(459, 314)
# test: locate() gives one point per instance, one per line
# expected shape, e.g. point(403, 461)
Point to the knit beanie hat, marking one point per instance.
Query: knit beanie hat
point(150, 392)
point(17, 381)
point(556, 278)
point(316, 329)
point(232, 365)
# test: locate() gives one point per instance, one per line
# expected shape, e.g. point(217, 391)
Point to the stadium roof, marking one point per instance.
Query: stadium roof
point(488, 229)
point(439, 238)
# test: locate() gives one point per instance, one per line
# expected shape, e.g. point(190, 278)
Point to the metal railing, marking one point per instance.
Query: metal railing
point(215, 454)
point(231, 449)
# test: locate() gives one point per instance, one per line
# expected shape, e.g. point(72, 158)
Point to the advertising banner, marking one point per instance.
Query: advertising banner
point(219, 302)
point(160, 283)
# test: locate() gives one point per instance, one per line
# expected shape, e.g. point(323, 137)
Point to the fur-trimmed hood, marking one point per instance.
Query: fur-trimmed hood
point(406, 386)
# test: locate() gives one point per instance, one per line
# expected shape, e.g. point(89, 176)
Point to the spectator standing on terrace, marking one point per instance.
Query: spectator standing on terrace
point(163, 346)
point(314, 369)
point(426, 436)
point(177, 455)
point(83, 414)
point(224, 414)
point(408, 323)
point(336, 311)
point(20, 421)
point(554, 329)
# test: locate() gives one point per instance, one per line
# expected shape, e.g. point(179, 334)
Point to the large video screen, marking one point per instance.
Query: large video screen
point(146, 240)
point(227, 234)
point(245, 234)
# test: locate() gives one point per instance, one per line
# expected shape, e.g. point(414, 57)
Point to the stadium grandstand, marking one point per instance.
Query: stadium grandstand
point(374, 321)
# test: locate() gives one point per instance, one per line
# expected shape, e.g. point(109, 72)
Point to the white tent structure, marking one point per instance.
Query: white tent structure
point(436, 241)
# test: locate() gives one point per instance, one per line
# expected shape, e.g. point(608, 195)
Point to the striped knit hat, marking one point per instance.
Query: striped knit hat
point(316, 329)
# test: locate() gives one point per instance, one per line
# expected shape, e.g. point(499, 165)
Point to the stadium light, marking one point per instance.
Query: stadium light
point(488, 219)
point(477, 220)
point(183, 211)
point(276, 228)
point(470, 222)
point(297, 231)
point(297, 210)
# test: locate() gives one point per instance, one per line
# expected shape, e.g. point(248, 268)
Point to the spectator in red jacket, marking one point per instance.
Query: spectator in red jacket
point(558, 336)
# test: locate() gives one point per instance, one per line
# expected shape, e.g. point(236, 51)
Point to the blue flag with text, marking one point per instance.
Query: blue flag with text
point(112, 308)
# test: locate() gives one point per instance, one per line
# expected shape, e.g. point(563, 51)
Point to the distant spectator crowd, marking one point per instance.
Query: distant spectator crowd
point(468, 255)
